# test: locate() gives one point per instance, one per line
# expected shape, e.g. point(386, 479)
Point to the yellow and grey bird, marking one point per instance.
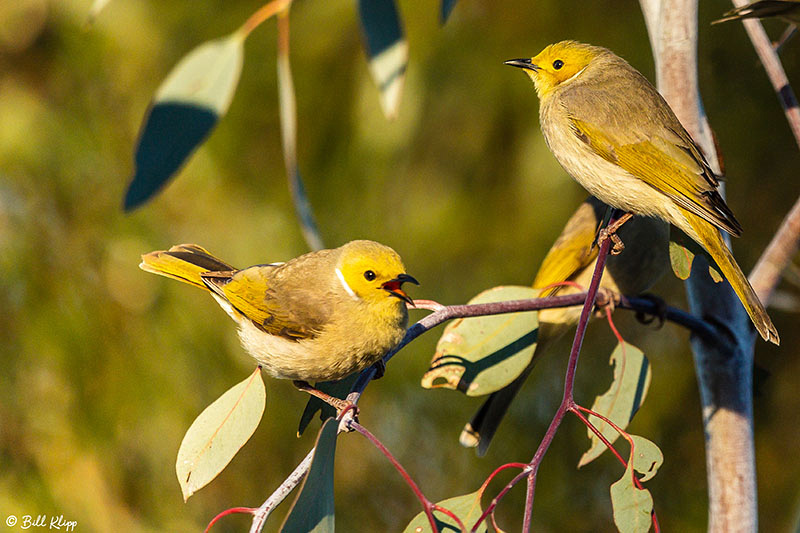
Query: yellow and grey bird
point(318, 317)
point(572, 257)
point(617, 136)
point(786, 10)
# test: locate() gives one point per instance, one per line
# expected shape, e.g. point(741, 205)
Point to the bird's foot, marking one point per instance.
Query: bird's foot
point(610, 232)
point(606, 300)
point(340, 405)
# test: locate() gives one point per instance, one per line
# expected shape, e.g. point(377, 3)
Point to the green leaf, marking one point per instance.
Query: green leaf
point(632, 506)
point(219, 432)
point(481, 355)
point(338, 389)
point(467, 508)
point(447, 8)
point(682, 251)
point(646, 456)
point(621, 401)
point(681, 259)
point(189, 103)
point(313, 510)
point(387, 50)
point(288, 116)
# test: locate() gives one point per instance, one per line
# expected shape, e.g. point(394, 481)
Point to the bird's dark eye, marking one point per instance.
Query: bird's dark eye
point(369, 275)
point(557, 64)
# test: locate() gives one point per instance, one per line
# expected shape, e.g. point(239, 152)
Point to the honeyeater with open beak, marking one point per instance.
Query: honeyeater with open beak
point(318, 317)
point(617, 136)
point(572, 258)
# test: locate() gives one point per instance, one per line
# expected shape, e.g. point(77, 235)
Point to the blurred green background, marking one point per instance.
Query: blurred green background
point(104, 367)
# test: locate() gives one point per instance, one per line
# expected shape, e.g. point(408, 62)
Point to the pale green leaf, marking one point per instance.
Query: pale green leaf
point(632, 506)
point(313, 510)
point(647, 457)
point(207, 76)
point(621, 401)
point(467, 508)
point(187, 106)
point(681, 259)
point(387, 50)
point(219, 432)
point(480, 355)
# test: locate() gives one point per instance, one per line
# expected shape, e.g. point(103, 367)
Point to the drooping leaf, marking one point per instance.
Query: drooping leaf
point(447, 8)
point(337, 389)
point(480, 355)
point(632, 506)
point(387, 50)
point(288, 116)
point(189, 103)
point(621, 401)
point(313, 509)
point(467, 508)
point(646, 457)
point(219, 432)
point(681, 259)
point(682, 251)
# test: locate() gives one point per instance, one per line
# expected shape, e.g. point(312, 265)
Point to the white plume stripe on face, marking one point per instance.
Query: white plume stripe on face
point(346, 287)
point(574, 75)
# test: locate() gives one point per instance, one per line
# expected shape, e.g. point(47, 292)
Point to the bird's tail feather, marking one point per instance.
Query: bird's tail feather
point(184, 262)
point(711, 239)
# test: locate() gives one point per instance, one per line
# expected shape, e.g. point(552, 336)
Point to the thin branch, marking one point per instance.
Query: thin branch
point(784, 244)
point(569, 380)
point(280, 494)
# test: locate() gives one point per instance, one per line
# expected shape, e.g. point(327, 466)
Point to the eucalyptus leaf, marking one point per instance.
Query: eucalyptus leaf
point(646, 456)
point(313, 509)
point(467, 508)
point(186, 107)
point(632, 506)
point(621, 401)
point(480, 355)
point(387, 50)
point(219, 432)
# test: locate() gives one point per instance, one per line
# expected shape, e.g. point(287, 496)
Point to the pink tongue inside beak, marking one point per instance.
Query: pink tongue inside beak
point(394, 288)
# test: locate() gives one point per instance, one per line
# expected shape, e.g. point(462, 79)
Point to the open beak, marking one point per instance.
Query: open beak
point(393, 287)
point(522, 63)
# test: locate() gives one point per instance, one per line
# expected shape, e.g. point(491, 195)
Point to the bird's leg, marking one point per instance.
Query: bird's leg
point(337, 403)
point(610, 232)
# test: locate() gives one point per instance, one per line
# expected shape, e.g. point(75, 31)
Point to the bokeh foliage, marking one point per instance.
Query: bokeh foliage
point(105, 367)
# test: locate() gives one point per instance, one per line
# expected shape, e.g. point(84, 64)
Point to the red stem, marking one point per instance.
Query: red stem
point(569, 380)
point(427, 506)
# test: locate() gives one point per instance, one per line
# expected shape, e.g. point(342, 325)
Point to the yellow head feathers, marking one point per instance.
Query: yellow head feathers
point(371, 271)
point(557, 64)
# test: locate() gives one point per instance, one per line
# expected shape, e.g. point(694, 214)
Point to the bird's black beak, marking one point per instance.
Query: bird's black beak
point(522, 63)
point(393, 287)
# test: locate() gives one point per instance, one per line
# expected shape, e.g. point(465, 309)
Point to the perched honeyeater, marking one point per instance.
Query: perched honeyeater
point(788, 10)
point(617, 136)
point(572, 258)
point(318, 317)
